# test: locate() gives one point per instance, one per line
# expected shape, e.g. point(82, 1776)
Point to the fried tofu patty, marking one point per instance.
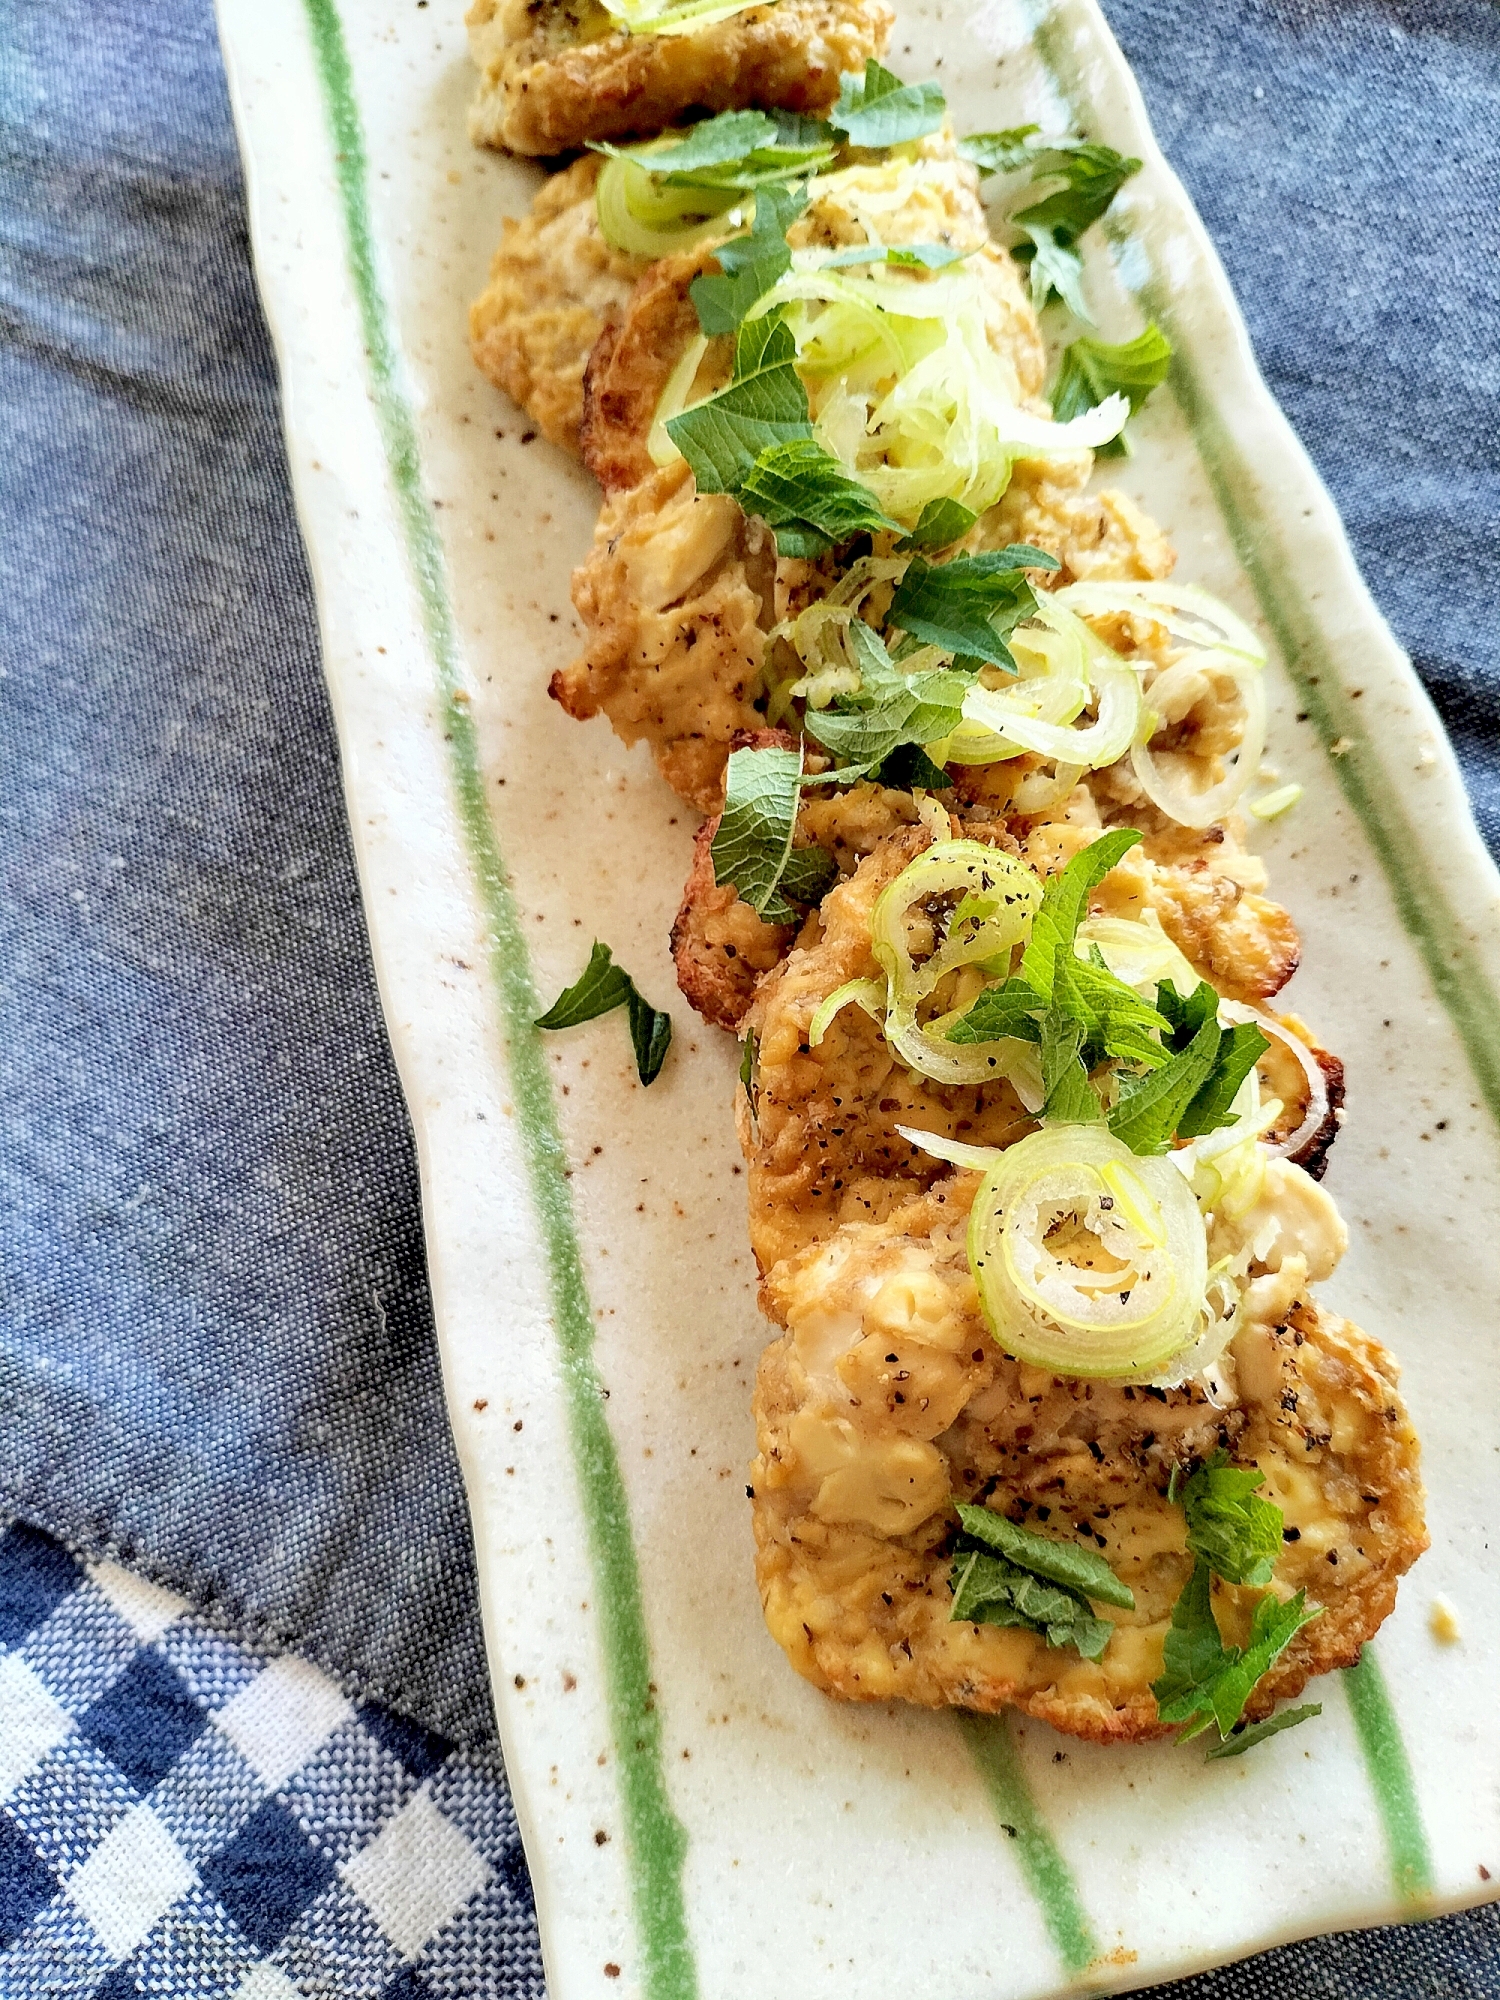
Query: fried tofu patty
point(678, 595)
point(886, 1398)
point(554, 74)
point(1205, 887)
point(554, 284)
point(932, 197)
point(820, 1141)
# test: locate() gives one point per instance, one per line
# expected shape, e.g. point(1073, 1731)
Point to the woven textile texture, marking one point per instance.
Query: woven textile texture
point(216, 1352)
point(181, 1816)
point(1345, 157)
point(213, 1303)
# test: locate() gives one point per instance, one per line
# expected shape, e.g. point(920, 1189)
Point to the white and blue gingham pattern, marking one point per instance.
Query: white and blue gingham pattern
point(181, 1815)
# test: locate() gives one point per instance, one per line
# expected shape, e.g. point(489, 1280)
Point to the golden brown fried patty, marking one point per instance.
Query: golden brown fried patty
point(822, 1147)
point(1203, 886)
point(676, 619)
point(554, 285)
point(930, 198)
point(676, 606)
point(554, 74)
point(886, 1396)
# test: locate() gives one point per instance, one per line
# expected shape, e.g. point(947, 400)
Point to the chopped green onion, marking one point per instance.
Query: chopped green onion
point(682, 17)
point(1271, 805)
point(1089, 1261)
point(993, 898)
point(646, 218)
point(869, 994)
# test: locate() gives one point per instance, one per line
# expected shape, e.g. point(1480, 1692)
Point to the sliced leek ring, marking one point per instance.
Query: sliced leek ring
point(1089, 1261)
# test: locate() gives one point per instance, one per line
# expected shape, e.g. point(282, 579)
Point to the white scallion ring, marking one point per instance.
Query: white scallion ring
point(1089, 1260)
point(994, 898)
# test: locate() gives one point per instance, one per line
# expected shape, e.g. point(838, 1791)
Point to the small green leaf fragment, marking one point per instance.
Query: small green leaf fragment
point(809, 874)
point(764, 405)
point(1069, 1563)
point(890, 709)
point(1203, 1682)
point(752, 847)
point(910, 769)
point(968, 604)
point(1081, 180)
point(1065, 902)
point(1010, 1010)
point(801, 486)
point(1257, 1732)
point(650, 1035)
point(748, 1061)
point(1240, 1049)
point(749, 265)
point(1087, 178)
point(1001, 152)
point(599, 989)
point(1193, 1655)
point(1236, 1532)
point(1149, 1107)
point(878, 109)
point(941, 524)
point(736, 152)
point(1071, 1098)
point(1092, 370)
point(1004, 1574)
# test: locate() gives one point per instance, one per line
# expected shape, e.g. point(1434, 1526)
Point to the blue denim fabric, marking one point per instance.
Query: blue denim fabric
point(1345, 156)
point(216, 1353)
point(216, 1348)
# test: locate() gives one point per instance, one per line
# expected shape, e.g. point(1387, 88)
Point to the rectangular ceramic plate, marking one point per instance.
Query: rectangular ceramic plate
point(697, 1819)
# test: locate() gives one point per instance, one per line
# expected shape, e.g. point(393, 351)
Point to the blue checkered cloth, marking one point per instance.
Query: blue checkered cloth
point(182, 1815)
point(262, 1764)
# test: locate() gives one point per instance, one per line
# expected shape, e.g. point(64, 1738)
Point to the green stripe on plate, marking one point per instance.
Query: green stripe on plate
point(1047, 1874)
point(1390, 1777)
point(1421, 901)
point(1459, 978)
point(1418, 892)
point(656, 1841)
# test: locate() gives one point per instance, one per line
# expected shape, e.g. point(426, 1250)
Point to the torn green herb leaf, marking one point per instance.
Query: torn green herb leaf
point(802, 491)
point(1237, 1533)
point(599, 989)
point(910, 769)
point(1193, 1091)
point(968, 604)
point(1003, 1574)
point(737, 151)
point(1091, 370)
point(1081, 180)
point(890, 710)
point(941, 524)
point(1001, 152)
point(765, 404)
point(748, 265)
point(1204, 1683)
point(1246, 1739)
point(878, 109)
point(752, 848)
point(1072, 1564)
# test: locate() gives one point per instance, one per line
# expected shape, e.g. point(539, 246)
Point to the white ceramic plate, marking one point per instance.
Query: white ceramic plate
point(698, 1821)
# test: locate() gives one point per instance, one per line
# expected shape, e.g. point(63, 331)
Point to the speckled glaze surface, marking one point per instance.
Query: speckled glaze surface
point(698, 1821)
